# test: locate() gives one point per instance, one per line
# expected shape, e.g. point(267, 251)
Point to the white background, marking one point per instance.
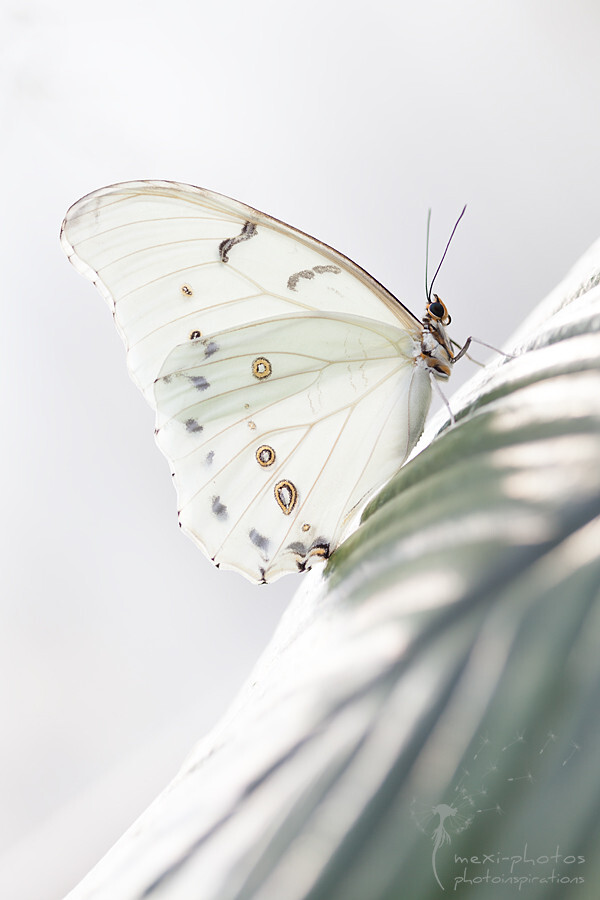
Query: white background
point(120, 645)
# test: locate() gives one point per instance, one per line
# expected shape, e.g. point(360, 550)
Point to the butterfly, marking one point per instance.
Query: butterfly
point(288, 384)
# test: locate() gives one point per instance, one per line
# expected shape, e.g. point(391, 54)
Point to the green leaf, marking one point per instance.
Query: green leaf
point(427, 715)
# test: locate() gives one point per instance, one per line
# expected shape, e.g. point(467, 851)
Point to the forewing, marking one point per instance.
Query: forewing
point(174, 260)
point(277, 430)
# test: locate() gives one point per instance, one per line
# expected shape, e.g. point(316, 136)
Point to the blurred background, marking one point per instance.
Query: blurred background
point(120, 645)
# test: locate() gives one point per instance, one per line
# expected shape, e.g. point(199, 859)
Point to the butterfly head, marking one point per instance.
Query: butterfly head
point(436, 346)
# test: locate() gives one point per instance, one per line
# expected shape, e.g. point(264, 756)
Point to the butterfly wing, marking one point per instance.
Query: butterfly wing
point(276, 431)
point(190, 274)
point(173, 260)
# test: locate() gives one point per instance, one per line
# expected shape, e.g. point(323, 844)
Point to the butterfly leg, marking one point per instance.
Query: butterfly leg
point(444, 398)
point(463, 351)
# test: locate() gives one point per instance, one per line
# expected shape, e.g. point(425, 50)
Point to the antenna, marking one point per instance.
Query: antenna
point(429, 289)
point(427, 252)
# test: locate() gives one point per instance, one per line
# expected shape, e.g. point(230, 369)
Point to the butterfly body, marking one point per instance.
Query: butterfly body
point(288, 384)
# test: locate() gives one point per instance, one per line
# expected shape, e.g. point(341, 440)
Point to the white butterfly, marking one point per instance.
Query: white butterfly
point(288, 384)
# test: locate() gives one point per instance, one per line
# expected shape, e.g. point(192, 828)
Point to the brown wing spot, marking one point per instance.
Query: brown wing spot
point(195, 334)
point(306, 527)
point(248, 231)
point(251, 425)
point(298, 548)
point(321, 270)
point(319, 549)
point(199, 382)
point(265, 455)
point(219, 509)
point(186, 290)
point(310, 273)
point(261, 367)
point(286, 496)
point(295, 278)
point(259, 540)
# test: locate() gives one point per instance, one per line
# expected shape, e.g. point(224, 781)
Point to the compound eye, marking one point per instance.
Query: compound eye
point(437, 309)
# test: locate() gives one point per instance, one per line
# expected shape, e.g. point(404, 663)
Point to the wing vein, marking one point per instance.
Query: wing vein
point(309, 427)
point(278, 378)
